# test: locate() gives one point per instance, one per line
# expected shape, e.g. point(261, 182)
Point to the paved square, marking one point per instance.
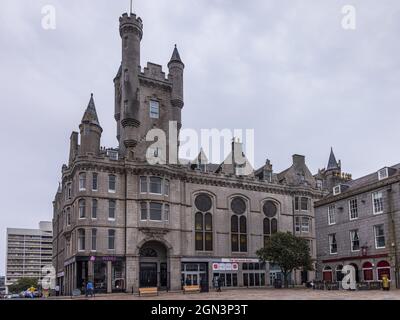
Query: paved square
point(263, 294)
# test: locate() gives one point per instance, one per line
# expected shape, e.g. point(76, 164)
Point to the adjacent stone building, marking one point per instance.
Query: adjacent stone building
point(124, 223)
point(28, 252)
point(358, 224)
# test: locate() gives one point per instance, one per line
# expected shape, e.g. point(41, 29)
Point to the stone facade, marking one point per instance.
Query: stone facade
point(124, 224)
point(358, 225)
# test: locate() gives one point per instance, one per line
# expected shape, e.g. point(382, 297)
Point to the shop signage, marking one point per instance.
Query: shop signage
point(217, 266)
point(240, 260)
point(113, 259)
point(92, 258)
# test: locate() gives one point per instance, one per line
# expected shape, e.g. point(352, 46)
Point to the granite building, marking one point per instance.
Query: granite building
point(28, 251)
point(124, 223)
point(358, 224)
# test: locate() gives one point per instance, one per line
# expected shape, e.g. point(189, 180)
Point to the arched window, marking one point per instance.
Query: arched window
point(327, 274)
point(81, 239)
point(238, 225)
point(368, 271)
point(270, 224)
point(383, 268)
point(203, 223)
point(339, 274)
point(82, 209)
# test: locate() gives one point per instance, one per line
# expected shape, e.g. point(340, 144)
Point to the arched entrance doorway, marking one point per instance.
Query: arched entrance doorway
point(153, 265)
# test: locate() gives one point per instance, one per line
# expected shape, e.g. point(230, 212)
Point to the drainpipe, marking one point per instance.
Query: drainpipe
point(126, 228)
point(392, 230)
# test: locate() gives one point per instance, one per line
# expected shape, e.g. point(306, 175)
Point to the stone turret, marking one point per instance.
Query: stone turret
point(127, 108)
point(176, 67)
point(90, 131)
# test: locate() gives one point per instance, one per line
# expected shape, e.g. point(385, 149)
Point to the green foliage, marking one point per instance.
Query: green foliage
point(23, 284)
point(287, 251)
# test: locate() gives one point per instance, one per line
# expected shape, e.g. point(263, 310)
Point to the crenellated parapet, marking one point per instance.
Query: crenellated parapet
point(130, 24)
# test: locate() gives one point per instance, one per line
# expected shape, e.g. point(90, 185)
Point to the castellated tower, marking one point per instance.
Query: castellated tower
point(127, 106)
point(145, 99)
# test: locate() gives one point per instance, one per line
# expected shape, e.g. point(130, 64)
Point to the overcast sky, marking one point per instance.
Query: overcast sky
point(285, 68)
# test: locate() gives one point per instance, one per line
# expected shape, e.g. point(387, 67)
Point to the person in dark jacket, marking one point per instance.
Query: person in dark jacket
point(219, 283)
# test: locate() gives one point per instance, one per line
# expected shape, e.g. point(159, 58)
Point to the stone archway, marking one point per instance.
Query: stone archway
point(153, 265)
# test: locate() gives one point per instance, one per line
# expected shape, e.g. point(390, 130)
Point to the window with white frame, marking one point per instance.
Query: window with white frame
point(154, 109)
point(154, 211)
point(383, 173)
point(81, 240)
point(111, 239)
point(143, 184)
point(82, 181)
point(353, 209)
point(377, 200)
point(337, 190)
point(297, 225)
point(355, 240)
point(111, 209)
point(332, 214)
point(82, 208)
point(155, 185)
point(380, 241)
point(332, 244)
point(304, 204)
point(301, 203)
point(112, 183)
point(305, 225)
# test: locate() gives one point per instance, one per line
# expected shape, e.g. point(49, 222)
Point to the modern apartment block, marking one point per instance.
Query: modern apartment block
point(28, 251)
point(358, 225)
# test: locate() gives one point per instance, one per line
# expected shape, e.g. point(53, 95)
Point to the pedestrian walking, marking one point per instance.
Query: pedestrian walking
point(89, 289)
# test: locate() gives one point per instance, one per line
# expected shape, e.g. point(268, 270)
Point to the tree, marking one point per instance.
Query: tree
point(23, 284)
point(287, 251)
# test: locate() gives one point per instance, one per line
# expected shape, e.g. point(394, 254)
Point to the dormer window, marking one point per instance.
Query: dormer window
point(154, 109)
point(337, 190)
point(112, 154)
point(383, 174)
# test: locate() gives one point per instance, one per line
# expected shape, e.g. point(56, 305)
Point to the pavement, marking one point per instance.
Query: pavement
point(255, 294)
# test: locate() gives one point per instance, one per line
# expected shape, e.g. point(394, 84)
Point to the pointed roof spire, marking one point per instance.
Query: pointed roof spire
point(90, 114)
point(332, 163)
point(175, 56)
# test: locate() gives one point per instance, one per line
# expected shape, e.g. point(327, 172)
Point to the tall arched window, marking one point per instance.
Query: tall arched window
point(238, 225)
point(270, 223)
point(203, 223)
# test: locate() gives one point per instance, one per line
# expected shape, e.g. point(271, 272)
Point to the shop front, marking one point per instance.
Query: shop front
point(106, 272)
point(195, 273)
